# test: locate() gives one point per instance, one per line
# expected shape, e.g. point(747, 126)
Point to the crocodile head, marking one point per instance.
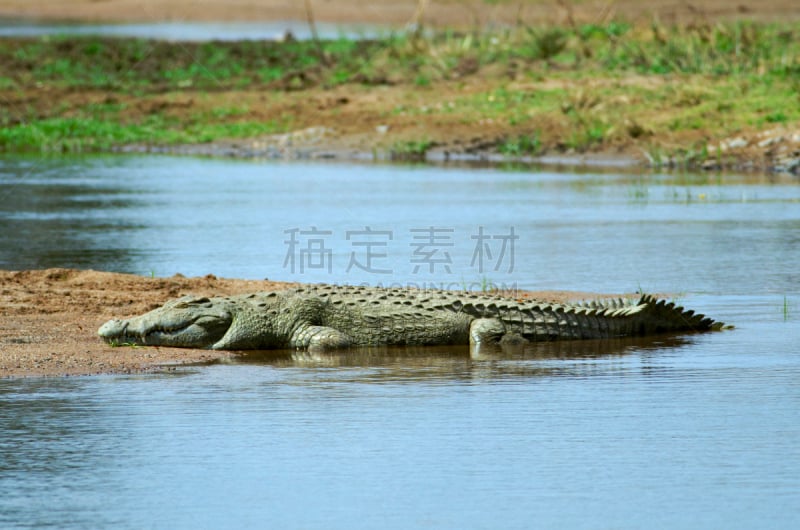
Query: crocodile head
point(188, 322)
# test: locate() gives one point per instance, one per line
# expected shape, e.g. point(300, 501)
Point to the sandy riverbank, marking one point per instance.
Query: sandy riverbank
point(49, 319)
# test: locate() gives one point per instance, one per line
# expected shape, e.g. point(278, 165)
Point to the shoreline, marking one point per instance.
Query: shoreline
point(275, 149)
point(385, 100)
point(757, 155)
point(481, 87)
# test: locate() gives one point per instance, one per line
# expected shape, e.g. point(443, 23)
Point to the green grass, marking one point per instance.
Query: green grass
point(117, 344)
point(602, 83)
point(765, 52)
point(526, 144)
point(75, 135)
point(411, 150)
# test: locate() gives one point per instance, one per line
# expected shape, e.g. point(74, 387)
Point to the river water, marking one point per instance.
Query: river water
point(191, 31)
point(691, 431)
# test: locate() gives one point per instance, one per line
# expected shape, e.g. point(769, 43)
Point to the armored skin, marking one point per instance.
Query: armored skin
point(329, 317)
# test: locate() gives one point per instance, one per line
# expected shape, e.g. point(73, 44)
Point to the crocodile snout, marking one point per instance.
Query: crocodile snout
point(113, 329)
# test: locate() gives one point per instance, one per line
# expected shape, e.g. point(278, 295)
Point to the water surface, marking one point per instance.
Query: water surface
point(190, 31)
point(685, 431)
point(698, 435)
point(592, 231)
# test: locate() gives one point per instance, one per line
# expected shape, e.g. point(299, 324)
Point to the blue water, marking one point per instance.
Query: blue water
point(191, 31)
point(692, 431)
point(593, 232)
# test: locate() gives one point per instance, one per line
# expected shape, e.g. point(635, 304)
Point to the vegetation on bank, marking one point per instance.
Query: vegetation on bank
point(554, 89)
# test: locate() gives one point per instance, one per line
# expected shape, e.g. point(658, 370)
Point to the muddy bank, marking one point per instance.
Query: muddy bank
point(49, 319)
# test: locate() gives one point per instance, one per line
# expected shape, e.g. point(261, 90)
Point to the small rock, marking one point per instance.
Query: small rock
point(770, 141)
point(733, 143)
point(769, 133)
point(787, 165)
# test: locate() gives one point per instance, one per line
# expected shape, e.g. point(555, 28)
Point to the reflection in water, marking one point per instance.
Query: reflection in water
point(414, 363)
point(48, 432)
point(162, 215)
point(54, 214)
point(414, 437)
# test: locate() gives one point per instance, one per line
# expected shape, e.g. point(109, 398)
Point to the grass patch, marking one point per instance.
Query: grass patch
point(76, 135)
point(410, 150)
point(579, 87)
point(525, 144)
point(764, 51)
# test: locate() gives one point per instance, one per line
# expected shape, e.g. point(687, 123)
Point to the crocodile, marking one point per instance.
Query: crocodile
point(330, 317)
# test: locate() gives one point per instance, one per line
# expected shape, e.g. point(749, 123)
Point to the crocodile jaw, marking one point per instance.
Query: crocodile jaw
point(185, 323)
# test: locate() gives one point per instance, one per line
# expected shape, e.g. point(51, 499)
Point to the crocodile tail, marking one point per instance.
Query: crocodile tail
point(658, 316)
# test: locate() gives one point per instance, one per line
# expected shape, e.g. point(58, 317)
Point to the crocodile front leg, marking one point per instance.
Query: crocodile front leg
point(308, 337)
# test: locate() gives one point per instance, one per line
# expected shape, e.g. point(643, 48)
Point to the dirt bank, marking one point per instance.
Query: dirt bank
point(49, 319)
point(451, 13)
point(437, 99)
